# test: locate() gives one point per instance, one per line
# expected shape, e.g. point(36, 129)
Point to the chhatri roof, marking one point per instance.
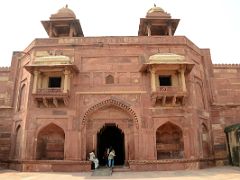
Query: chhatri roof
point(64, 13)
point(52, 61)
point(157, 12)
point(167, 59)
point(155, 9)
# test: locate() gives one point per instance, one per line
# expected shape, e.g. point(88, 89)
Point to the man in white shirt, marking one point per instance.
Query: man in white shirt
point(93, 158)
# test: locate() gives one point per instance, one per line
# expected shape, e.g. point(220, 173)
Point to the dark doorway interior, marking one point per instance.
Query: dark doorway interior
point(165, 80)
point(54, 82)
point(111, 136)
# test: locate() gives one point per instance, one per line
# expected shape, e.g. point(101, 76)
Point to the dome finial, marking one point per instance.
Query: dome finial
point(66, 6)
point(155, 9)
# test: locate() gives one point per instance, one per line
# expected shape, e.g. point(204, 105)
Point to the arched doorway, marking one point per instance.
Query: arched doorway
point(111, 136)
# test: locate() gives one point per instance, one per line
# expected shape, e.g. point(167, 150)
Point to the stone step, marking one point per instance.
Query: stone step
point(102, 171)
point(121, 169)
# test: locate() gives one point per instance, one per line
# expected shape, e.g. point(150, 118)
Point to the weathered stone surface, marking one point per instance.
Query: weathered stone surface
point(68, 95)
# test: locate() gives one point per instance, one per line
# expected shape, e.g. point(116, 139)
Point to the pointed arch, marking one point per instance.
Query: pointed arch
point(113, 102)
point(169, 141)
point(50, 143)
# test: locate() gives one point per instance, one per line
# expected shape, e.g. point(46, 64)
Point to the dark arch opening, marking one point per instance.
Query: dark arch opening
point(111, 136)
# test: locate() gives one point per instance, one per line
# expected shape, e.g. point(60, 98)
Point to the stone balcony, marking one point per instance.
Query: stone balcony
point(51, 97)
point(168, 96)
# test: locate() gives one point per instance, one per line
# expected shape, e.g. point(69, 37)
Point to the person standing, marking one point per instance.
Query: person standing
point(111, 157)
point(93, 158)
point(105, 156)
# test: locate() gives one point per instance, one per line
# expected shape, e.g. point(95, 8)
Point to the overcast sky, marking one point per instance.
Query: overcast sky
point(213, 24)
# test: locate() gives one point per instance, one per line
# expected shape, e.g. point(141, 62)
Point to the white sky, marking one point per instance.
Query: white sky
point(213, 24)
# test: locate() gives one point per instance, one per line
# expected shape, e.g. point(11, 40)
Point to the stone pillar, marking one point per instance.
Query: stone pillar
point(183, 80)
point(66, 79)
point(71, 30)
point(153, 80)
point(51, 30)
point(149, 29)
point(170, 30)
point(35, 79)
point(39, 83)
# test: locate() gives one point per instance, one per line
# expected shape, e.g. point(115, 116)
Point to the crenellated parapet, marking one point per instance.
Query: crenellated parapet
point(226, 65)
point(4, 68)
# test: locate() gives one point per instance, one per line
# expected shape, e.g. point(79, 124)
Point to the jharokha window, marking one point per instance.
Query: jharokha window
point(54, 82)
point(165, 81)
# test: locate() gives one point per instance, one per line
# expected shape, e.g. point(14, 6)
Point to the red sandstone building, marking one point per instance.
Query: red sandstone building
point(156, 98)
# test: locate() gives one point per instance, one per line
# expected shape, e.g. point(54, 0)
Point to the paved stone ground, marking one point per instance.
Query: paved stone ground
point(216, 173)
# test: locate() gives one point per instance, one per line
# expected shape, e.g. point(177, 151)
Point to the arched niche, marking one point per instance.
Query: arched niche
point(205, 141)
point(17, 148)
point(109, 79)
point(50, 143)
point(169, 141)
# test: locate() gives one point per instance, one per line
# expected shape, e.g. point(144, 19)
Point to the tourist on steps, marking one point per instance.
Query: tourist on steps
point(111, 158)
point(93, 158)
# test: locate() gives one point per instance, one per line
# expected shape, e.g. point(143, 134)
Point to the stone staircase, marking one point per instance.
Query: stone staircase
point(105, 171)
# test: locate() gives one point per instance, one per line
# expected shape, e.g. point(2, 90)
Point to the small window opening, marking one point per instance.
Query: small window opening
point(54, 82)
point(165, 80)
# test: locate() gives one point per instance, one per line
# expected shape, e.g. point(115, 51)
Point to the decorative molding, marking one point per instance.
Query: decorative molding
point(168, 161)
point(111, 101)
point(113, 92)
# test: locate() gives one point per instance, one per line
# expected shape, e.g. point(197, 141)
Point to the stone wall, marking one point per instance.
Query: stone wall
point(226, 105)
point(5, 114)
point(7, 94)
